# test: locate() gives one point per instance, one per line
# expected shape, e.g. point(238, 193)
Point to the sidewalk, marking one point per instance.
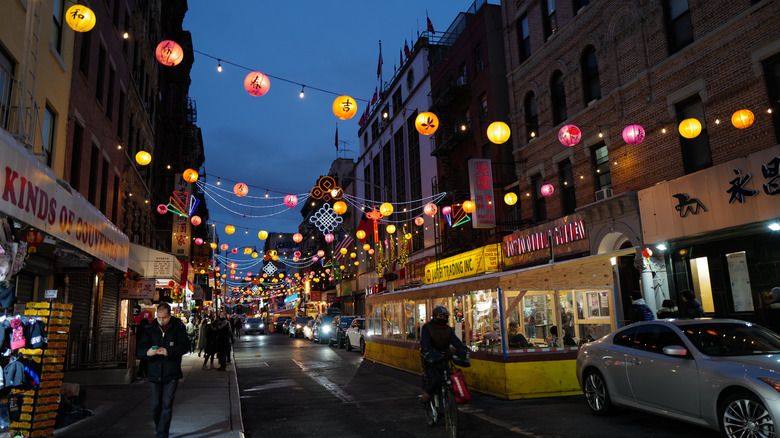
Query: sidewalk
point(206, 405)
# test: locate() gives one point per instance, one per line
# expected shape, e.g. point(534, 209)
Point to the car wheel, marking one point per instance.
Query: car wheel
point(744, 415)
point(596, 393)
point(349, 346)
point(362, 346)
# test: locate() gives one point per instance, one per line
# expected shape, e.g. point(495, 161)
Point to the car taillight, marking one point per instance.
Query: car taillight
point(771, 381)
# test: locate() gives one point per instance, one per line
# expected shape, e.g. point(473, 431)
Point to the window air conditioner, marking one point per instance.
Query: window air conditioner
point(603, 194)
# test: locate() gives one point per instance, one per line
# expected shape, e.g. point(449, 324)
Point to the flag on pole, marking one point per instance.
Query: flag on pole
point(376, 95)
point(379, 64)
point(367, 226)
point(346, 242)
point(337, 138)
point(430, 26)
point(407, 52)
point(401, 57)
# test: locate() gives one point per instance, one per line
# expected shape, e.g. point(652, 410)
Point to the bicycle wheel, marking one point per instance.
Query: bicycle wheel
point(431, 416)
point(451, 415)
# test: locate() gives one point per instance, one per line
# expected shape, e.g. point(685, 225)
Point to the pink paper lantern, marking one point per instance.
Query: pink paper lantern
point(162, 209)
point(315, 259)
point(234, 250)
point(419, 221)
point(633, 134)
point(569, 135)
point(371, 251)
point(196, 220)
point(327, 270)
point(291, 201)
point(547, 190)
point(249, 273)
point(446, 210)
point(321, 253)
point(257, 83)
point(329, 237)
point(198, 241)
point(430, 209)
point(330, 278)
point(297, 254)
point(224, 247)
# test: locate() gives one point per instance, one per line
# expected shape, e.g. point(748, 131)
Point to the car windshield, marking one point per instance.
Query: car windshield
point(732, 339)
point(253, 320)
point(345, 322)
point(300, 320)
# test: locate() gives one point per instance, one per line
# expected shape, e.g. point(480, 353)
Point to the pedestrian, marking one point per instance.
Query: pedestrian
point(691, 307)
point(668, 310)
point(239, 326)
point(435, 353)
point(202, 335)
point(210, 344)
point(143, 366)
point(164, 343)
point(639, 310)
point(224, 338)
point(192, 335)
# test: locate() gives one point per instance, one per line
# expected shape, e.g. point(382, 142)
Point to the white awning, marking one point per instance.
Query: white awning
point(151, 263)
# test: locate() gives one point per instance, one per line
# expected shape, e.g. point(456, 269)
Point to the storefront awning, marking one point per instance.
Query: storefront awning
point(33, 194)
point(151, 263)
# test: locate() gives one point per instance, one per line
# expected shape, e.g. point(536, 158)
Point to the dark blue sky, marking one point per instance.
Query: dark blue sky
point(279, 141)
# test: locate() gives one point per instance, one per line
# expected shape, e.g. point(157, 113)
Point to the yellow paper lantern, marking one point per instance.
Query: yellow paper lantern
point(360, 234)
point(143, 158)
point(366, 247)
point(275, 257)
point(340, 207)
point(247, 250)
point(408, 236)
point(386, 209)
point(190, 175)
point(262, 234)
point(343, 251)
point(498, 132)
point(357, 262)
point(80, 18)
point(343, 267)
point(254, 254)
point(344, 107)
point(510, 198)
point(469, 206)
point(353, 255)
point(230, 229)
point(426, 123)
point(391, 229)
point(213, 245)
point(742, 119)
point(690, 128)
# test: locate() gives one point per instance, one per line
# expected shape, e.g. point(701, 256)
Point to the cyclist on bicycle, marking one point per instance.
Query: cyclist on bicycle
point(435, 340)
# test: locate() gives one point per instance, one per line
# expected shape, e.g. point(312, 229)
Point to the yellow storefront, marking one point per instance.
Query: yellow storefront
point(575, 296)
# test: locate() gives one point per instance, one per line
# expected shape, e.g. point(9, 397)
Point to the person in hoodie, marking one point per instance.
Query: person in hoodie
point(436, 337)
point(691, 307)
point(640, 311)
point(668, 310)
point(164, 342)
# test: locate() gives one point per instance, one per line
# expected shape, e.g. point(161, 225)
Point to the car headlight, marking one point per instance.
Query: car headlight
point(325, 329)
point(298, 326)
point(771, 381)
point(262, 325)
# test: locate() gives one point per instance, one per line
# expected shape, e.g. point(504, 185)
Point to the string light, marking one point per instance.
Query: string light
point(219, 182)
point(302, 94)
point(219, 65)
point(125, 35)
point(266, 193)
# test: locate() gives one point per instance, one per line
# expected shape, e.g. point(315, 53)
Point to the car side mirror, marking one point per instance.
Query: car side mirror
point(675, 350)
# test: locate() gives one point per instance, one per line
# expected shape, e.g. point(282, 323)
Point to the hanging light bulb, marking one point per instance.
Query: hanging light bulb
point(219, 182)
point(266, 193)
point(219, 65)
point(302, 87)
point(125, 35)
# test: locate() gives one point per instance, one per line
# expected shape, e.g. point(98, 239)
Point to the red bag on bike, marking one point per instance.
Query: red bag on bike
point(462, 395)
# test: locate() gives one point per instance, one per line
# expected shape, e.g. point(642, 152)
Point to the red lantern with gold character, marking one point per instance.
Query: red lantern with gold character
point(34, 239)
point(97, 266)
point(169, 53)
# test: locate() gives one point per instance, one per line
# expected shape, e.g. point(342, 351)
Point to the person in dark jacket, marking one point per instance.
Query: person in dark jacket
point(163, 343)
point(436, 336)
point(691, 307)
point(224, 341)
point(668, 310)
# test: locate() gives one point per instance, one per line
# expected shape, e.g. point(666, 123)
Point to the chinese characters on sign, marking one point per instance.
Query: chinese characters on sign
point(137, 290)
point(481, 184)
point(180, 245)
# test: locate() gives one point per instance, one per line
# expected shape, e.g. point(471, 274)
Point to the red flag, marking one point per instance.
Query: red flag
point(373, 99)
point(337, 139)
point(407, 52)
point(362, 120)
point(367, 226)
point(430, 26)
point(379, 64)
point(401, 56)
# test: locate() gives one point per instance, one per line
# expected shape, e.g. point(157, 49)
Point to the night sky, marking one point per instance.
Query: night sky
point(279, 141)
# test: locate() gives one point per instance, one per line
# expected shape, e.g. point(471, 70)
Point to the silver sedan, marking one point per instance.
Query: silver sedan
point(719, 373)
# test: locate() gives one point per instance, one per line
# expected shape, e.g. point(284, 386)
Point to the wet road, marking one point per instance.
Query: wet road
point(295, 388)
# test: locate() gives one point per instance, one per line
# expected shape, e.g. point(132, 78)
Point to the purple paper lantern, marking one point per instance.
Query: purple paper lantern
point(569, 135)
point(547, 190)
point(633, 134)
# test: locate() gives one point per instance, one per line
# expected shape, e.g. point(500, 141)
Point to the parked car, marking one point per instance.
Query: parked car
point(322, 328)
point(355, 335)
point(339, 327)
point(286, 325)
point(295, 328)
point(279, 326)
point(718, 373)
point(254, 325)
point(307, 330)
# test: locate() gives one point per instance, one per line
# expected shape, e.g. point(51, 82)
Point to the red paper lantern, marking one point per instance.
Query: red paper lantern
point(291, 201)
point(419, 221)
point(430, 209)
point(256, 83)
point(196, 220)
point(321, 253)
point(240, 190)
point(169, 53)
point(34, 239)
point(633, 134)
point(647, 253)
point(446, 210)
point(97, 266)
point(162, 209)
point(569, 135)
point(297, 237)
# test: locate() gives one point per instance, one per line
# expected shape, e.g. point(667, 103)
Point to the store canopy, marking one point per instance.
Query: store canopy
point(151, 263)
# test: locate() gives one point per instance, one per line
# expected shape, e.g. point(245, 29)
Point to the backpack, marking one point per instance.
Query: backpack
point(642, 312)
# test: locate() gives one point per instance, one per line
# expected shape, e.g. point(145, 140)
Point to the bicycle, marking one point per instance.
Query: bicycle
point(442, 402)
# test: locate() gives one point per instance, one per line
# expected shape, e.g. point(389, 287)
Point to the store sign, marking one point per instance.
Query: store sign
point(137, 290)
point(565, 236)
point(31, 193)
point(735, 193)
point(469, 263)
point(181, 228)
point(481, 185)
point(316, 295)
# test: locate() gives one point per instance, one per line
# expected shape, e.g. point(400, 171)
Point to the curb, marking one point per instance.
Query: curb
point(236, 421)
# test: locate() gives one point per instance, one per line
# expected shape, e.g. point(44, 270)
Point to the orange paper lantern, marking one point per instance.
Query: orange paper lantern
point(469, 206)
point(190, 175)
point(230, 229)
point(256, 83)
point(340, 207)
point(742, 119)
point(169, 53)
point(344, 107)
point(240, 189)
point(426, 123)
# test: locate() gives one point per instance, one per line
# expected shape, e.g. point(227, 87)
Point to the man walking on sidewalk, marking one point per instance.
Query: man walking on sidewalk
point(164, 342)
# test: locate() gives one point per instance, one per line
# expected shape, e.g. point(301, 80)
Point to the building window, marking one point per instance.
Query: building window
point(110, 95)
point(377, 181)
point(483, 107)
point(49, 123)
point(126, 41)
point(566, 183)
point(531, 117)
point(397, 101)
point(410, 81)
point(120, 122)
point(695, 151)
point(679, 30)
point(549, 18)
point(375, 129)
point(86, 41)
point(772, 78)
point(104, 186)
point(115, 201)
point(467, 119)
point(415, 174)
point(56, 30)
point(558, 98)
point(590, 75)
point(101, 75)
point(6, 81)
point(576, 5)
point(600, 158)
point(539, 205)
point(479, 61)
point(75, 158)
point(523, 38)
point(386, 112)
point(400, 165)
point(93, 174)
point(365, 139)
point(387, 172)
point(116, 12)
